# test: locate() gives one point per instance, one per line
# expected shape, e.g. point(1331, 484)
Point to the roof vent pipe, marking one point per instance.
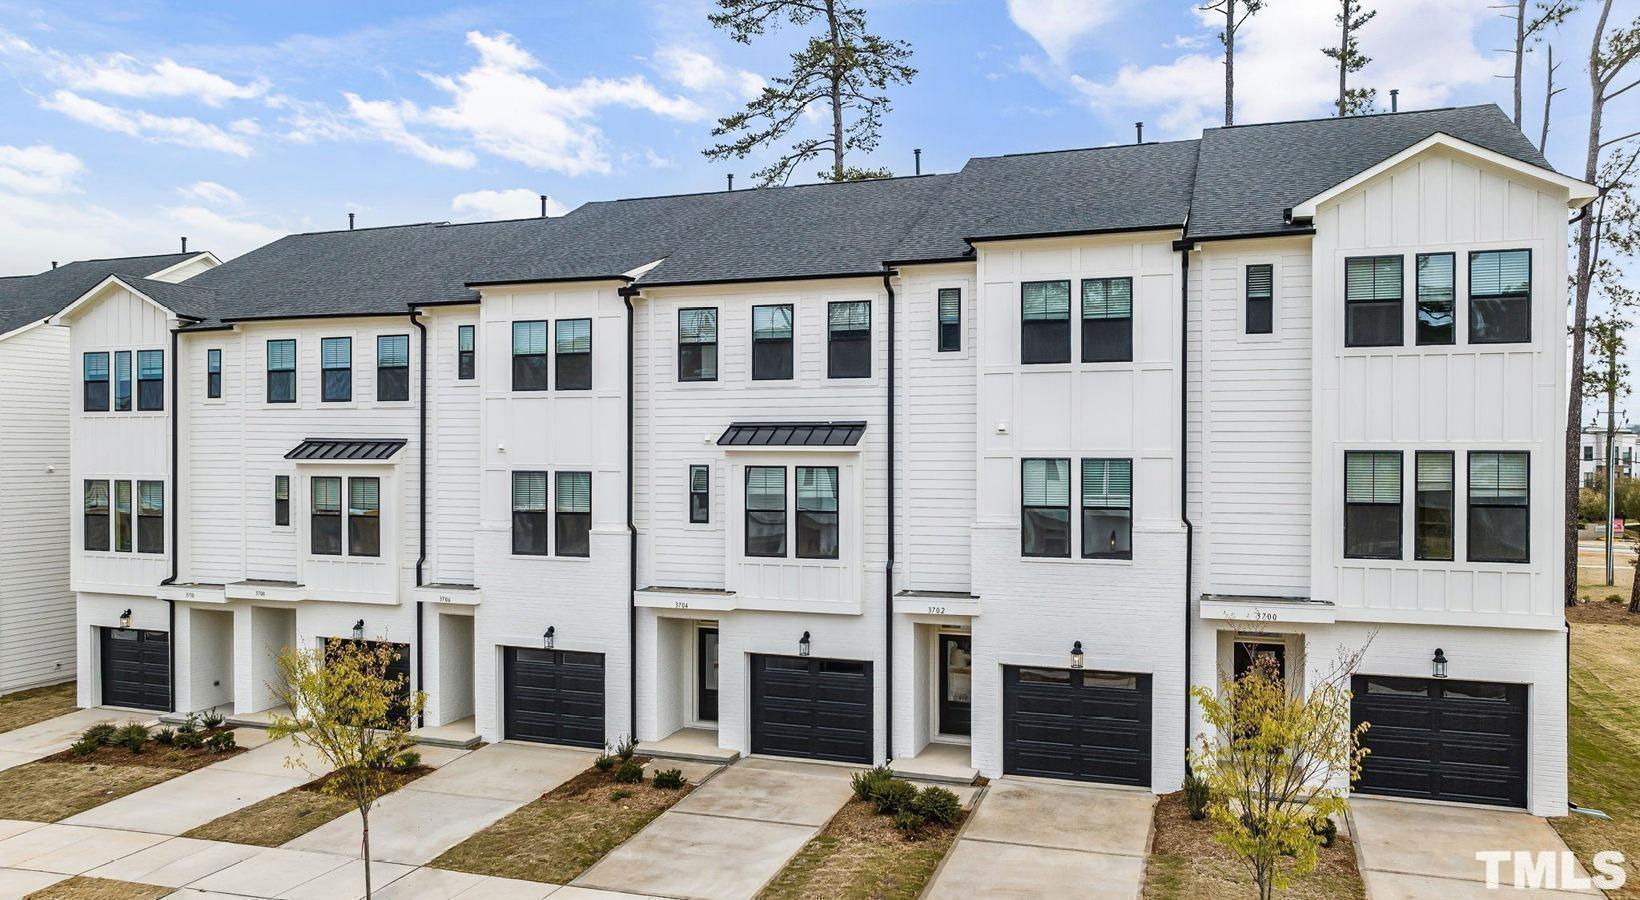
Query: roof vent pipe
point(184, 245)
point(543, 206)
point(918, 154)
point(350, 221)
point(1139, 128)
point(1394, 99)
point(731, 181)
point(54, 264)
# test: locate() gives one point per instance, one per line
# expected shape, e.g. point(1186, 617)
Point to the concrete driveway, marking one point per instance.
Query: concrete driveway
point(31, 742)
point(1415, 850)
point(1031, 839)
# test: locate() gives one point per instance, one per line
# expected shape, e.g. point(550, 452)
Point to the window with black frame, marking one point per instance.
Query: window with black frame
point(529, 513)
point(766, 511)
point(529, 356)
point(364, 517)
point(1372, 505)
point(1437, 299)
point(393, 367)
point(122, 516)
point(950, 314)
point(96, 515)
point(1261, 298)
point(1499, 507)
point(1045, 514)
point(1500, 297)
point(700, 494)
point(697, 344)
point(150, 517)
point(1372, 301)
point(1107, 320)
point(772, 342)
point(1433, 499)
point(336, 369)
point(150, 380)
point(466, 352)
point(213, 374)
point(1107, 509)
point(281, 371)
point(572, 348)
point(848, 339)
point(122, 381)
point(281, 499)
point(94, 393)
point(817, 536)
point(574, 513)
point(325, 519)
point(1045, 322)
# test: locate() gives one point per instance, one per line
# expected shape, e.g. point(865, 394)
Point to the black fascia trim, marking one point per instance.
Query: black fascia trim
point(1124, 229)
point(877, 273)
point(628, 279)
point(1252, 235)
point(396, 313)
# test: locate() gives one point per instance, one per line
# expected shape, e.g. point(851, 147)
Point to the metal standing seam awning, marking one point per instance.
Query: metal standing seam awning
point(345, 449)
point(792, 434)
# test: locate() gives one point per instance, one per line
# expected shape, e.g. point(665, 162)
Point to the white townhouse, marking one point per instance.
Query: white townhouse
point(987, 467)
point(36, 604)
point(1591, 461)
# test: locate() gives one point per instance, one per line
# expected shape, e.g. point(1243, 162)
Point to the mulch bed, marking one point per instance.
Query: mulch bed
point(1184, 849)
point(1602, 612)
point(154, 755)
point(861, 854)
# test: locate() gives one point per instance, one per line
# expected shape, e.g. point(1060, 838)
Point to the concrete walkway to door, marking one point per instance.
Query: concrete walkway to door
point(32, 742)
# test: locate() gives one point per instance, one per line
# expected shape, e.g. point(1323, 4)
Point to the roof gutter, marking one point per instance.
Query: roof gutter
point(1086, 232)
point(1185, 247)
point(421, 504)
point(627, 293)
point(888, 568)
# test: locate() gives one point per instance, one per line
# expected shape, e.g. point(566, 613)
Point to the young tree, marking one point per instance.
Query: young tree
point(1227, 37)
point(1274, 761)
point(1351, 17)
point(1608, 377)
point(1529, 29)
point(844, 68)
point(347, 707)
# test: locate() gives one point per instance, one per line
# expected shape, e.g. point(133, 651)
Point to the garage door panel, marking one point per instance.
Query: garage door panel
point(1086, 726)
point(136, 668)
point(554, 696)
point(812, 708)
point(1459, 741)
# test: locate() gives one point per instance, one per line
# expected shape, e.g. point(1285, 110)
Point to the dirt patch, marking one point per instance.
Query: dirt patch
point(1602, 612)
point(35, 705)
point(86, 888)
point(287, 816)
point(860, 854)
point(47, 791)
point(1186, 862)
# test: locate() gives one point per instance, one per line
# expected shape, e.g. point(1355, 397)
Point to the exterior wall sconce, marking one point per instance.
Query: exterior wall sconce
point(1077, 657)
point(549, 637)
point(358, 630)
point(125, 619)
point(1440, 663)
point(803, 645)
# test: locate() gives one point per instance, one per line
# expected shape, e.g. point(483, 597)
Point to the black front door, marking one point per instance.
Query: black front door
point(956, 674)
point(1248, 651)
point(706, 673)
point(136, 668)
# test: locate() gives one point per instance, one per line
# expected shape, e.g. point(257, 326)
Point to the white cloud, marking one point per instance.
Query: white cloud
point(125, 76)
point(695, 71)
point(516, 203)
point(226, 235)
point(655, 160)
point(211, 194)
point(38, 169)
point(36, 230)
point(183, 130)
point(1060, 25)
point(386, 119)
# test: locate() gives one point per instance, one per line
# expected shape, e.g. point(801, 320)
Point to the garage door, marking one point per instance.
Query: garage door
point(1076, 724)
point(136, 668)
point(554, 696)
point(812, 708)
point(398, 669)
point(1442, 740)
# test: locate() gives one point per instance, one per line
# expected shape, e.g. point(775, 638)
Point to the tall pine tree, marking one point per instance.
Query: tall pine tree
point(1350, 18)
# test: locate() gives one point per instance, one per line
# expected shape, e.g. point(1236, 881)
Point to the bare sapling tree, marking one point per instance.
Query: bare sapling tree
point(1236, 13)
point(1529, 29)
point(1350, 18)
point(1549, 92)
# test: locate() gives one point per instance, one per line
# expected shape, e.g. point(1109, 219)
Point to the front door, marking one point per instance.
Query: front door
point(706, 674)
point(956, 676)
point(1248, 651)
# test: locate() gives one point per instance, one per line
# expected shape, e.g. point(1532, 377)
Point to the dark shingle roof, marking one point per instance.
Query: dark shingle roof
point(32, 298)
point(346, 448)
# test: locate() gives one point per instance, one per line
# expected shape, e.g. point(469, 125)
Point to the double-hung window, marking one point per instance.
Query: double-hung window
point(1045, 514)
point(336, 369)
point(772, 342)
point(150, 380)
point(1107, 508)
point(1498, 507)
point(573, 521)
point(95, 389)
point(1045, 322)
point(393, 367)
point(364, 517)
point(1500, 297)
point(700, 494)
point(529, 361)
point(1107, 320)
point(950, 319)
point(817, 512)
point(150, 517)
point(1261, 299)
point(766, 511)
point(1372, 505)
point(466, 352)
point(848, 339)
point(698, 344)
point(573, 347)
point(122, 516)
point(213, 374)
point(325, 528)
point(1437, 305)
point(1433, 502)
point(281, 371)
point(122, 381)
point(281, 499)
point(96, 515)
point(529, 518)
point(1372, 301)
point(1588, 453)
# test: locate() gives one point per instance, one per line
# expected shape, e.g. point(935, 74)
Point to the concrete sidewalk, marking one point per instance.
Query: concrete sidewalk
point(32, 742)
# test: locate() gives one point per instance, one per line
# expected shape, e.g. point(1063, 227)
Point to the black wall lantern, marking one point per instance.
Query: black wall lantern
point(358, 630)
point(549, 637)
point(803, 645)
point(1440, 663)
point(125, 619)
point(1077, 657)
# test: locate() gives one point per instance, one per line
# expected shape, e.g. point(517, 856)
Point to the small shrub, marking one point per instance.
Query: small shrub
point(625, 747)
point(629, 772)
point(211, 719)
point(1614, 598)
point(1327, 829)
point(133, 737)
point(669, 779)
point(99, 735)
point(619, 794)
point(173, 755)
point(604, 762)
point(1196, 796)
point(221, 742)
point(190, 724)
point(937, 804)
point(188, 740)
point(407, 760)
point(866, 783)
point(85, 746)
point(166, 736)
point(908, 821)
point(895, 795)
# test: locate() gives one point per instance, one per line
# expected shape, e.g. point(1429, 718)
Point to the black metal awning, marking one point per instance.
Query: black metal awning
point(346, 449)
point(792, 434)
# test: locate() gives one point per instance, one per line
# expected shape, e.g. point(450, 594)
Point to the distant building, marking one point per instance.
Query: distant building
point(1592, 457)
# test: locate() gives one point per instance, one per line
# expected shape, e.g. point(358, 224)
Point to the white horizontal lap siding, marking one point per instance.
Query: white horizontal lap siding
point(1462, 397)
point(454, 428)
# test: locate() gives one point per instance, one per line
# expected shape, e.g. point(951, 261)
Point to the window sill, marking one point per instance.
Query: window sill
point(1074, 561)
point(530, 557)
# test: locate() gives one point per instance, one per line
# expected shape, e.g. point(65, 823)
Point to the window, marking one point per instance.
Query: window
point(529, 356)
point(466, 352)
point(1372, 505)
point(1437, 306)
point(574, 354)
point(1498, 507)
point(213, 374)
point(96, 514)
point(95, 391)
point(817, 512)
point(1372, 301)
point(574, 522)
point(1500, 297)
point(700, 494)
point(150, 517)
point(950, 312)
point(1107, 509)
point(151, 380)
point(336, 369)
point(848, 343)
point(529, 513)
point(326, 518)
point(772, 342)
point(393, 367)
point(697, 344)
point(1107, 319)
point(1045, 328)
point(765, 511)
point(122, 381)
point(1261, 298)
point(281, 371)
point(364, 517)
point(1045, 519)
point(281, 499)
point(1588, 452)
point(122, 516)
point(1433, 499)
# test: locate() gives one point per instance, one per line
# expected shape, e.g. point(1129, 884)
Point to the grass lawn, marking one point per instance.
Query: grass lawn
point(85, 888)
point(1185, 862)
point(35, 705)
point(53, 791)
point(287, 816)
point(1591, 575)
point(561, 834)
point(860, 854)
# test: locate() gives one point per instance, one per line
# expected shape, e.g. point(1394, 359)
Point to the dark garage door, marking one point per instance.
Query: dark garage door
point(1442, 740)
point(812, 708)
point(1071, 723)
point(554, 696)
point(136, 668)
